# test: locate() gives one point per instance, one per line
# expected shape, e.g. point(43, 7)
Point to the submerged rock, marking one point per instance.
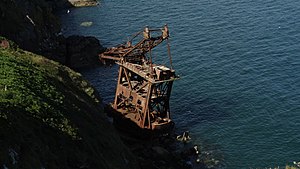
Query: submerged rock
point(86, 24)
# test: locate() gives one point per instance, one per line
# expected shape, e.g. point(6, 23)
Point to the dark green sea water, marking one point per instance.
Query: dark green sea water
point(239, 62)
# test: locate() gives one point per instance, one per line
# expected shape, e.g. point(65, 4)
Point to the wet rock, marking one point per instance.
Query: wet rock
point(81, 3)
point(82, 51)
point(86, 24)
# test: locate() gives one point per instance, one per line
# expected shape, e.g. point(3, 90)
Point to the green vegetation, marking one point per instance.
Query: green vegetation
point(33, 85)
point(50, 117)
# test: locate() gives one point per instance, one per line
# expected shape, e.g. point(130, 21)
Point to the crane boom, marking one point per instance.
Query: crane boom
point(130, 52)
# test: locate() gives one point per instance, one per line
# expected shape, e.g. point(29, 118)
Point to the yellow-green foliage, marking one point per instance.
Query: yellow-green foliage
point(50, 117)
point(28, 88)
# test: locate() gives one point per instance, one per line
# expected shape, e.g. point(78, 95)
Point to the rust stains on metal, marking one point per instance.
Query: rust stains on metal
point(144, 88)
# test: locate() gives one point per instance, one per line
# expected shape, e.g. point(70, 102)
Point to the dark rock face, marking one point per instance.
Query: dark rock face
point(33, 26)
point(82, 51)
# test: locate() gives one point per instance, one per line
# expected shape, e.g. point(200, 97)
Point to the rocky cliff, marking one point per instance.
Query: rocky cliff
point(33, 25)
point(50, 117)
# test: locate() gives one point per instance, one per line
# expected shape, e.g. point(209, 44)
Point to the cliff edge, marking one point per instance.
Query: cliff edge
point(50, 117)
point(33, 25)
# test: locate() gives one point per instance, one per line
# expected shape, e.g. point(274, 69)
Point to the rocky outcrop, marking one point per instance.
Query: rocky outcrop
point(81, 3)
point(33, 25)
point(82, 51)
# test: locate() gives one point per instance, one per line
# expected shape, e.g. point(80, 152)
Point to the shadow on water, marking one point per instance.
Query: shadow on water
point(208, 111)
point(205, 110)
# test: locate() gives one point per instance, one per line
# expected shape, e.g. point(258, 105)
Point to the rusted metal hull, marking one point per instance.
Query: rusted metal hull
point(130, 126)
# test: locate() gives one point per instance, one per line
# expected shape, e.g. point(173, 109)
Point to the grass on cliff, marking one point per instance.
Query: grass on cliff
point(31, 85)
point(50, 118)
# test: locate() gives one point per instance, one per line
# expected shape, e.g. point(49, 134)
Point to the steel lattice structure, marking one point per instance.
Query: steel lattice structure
point(144, 88)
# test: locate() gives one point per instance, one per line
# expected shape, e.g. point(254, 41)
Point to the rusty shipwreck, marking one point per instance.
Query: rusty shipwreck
point(143, 88)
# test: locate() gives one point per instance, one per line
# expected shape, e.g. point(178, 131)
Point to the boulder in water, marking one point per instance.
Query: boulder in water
point(81, 3)
point(86, 24)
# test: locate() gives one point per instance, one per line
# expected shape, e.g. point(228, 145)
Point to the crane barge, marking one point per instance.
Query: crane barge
point(143, 88)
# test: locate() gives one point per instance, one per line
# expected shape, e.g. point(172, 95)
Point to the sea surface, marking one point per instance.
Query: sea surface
point(239, 63)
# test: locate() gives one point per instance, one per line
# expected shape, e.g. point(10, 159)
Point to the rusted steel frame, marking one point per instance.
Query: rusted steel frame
point(146, 107)
point(148, 117)
point(153, 44)
point(110, 57)
point(128, 79)
point(138, 111)
point(117, 92)
point(164, 88)
point(135, 35)
point(123, 99)
point(158, 102)
point(142, 87)
point(159, 87)
point(150, 54)
point(137, 85)
point(156, 105)
point(141, 116)
point(161, 98)
point(156, 96)
point(138, 33)
point(132, 69)
point(155, 92)
point(169, 88)
point(168, 80)
point(134, 47)
point(138, 45)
